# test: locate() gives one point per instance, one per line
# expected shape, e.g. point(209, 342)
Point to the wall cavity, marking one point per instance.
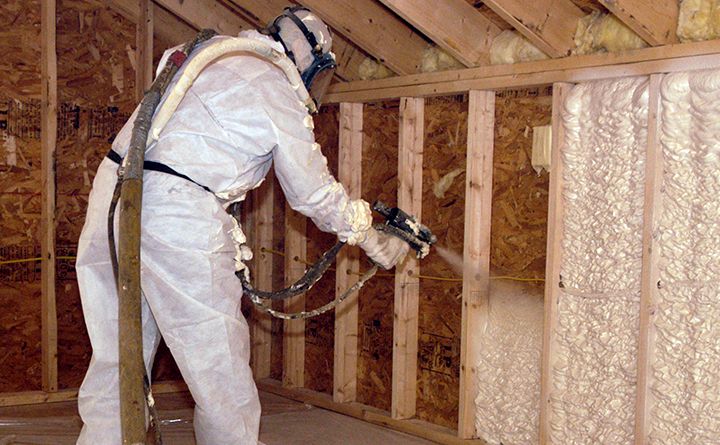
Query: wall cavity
point(508, 400)
point(594, 370)
point(685, 373)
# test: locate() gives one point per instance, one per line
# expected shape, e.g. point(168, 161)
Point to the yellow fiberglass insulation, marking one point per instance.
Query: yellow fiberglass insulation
point(699, 20)
point(599, 32)
point(370, 69)
point(510, 47)
point(435, 59)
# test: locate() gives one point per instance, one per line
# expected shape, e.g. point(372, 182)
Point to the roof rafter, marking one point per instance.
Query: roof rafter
point(206, 14)
point(348, 56)
point(653, 20)
point(548, 24)
point(454, 25)
point(375, 30)
point(167, 27)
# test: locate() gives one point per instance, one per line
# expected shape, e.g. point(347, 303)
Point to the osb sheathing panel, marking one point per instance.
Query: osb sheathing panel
point(440, 304)
point(319, 331)
point(520, 195)
point(19, 195)
point(375, 302)
point(95, 85)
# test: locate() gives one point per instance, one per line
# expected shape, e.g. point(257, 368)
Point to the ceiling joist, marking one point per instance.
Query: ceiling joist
point(375, 30)
point(655, 21)
point(454, 25)
point(548, 24)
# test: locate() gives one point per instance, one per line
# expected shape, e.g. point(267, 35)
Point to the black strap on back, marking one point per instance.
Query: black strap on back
point(157, 167)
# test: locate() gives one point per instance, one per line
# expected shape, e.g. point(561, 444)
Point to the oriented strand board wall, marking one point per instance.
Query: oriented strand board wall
point(96, 84)
point(443, 211)
point(375, 301)
point(20, 195)
point(319, 331)
point(95, 88)
point(520, 195)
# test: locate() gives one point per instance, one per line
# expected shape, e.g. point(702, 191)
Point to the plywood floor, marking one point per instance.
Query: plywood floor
point(284, 422)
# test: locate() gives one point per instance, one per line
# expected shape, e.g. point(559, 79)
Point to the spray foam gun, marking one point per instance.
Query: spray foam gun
point(397, 223)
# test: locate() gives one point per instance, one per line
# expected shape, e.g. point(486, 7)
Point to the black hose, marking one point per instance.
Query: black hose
point(312, 276)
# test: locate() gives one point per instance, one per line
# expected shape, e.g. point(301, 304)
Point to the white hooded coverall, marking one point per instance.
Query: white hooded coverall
point(239, 116)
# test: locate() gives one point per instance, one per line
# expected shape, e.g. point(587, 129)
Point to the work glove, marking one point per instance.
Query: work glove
point(385, 250)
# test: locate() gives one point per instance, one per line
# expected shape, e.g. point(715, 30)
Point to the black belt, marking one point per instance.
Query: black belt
point(156, 167)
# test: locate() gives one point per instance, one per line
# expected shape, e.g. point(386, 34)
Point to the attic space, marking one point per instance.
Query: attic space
point(552, 174)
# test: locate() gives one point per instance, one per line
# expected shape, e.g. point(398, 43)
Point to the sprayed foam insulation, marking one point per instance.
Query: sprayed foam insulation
point(518, 228)
point(435, 59)
point(508, 373)
point(594, 369)
point(685, 355)
point(599, 32)
point(370, 69)
point(376, 298)
point(698, 20)
point(320, 331)
point(440, 309)
point(511, 47)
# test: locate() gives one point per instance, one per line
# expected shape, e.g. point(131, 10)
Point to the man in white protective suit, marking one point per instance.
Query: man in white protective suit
point(239, 117)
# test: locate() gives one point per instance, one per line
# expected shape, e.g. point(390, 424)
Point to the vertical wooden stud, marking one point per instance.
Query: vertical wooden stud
point(476, 249)
point(294, 330)
point(554, 256)
point(262, 217)
point(48, 137)
point(144, 48)
point(407, 286)
point(348, 263)
point(650, 273)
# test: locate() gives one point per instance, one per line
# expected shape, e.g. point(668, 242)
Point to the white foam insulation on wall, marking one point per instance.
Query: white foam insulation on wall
point(508, 375)
point(685, 355)
point(594, 368)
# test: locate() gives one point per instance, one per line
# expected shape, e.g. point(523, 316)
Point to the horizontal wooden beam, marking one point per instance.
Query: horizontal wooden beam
point(66, 395)
point(368, 414)
point(454, 25)
point(655, 21)
point(661, 59)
